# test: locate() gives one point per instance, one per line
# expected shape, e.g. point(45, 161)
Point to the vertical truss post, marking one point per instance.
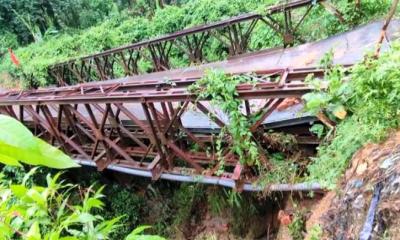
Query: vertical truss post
point(50, 120)
point(159, 53)
point(155, 139)
point(21, 114)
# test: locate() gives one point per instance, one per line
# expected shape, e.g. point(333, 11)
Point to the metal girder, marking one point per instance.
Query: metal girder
point(234, 34)
point(159, 91)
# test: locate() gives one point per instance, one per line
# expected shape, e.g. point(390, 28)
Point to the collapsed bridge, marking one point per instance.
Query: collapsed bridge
point(151, 125)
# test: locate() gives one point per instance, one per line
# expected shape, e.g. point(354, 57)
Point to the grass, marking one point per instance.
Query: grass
point(369, 92)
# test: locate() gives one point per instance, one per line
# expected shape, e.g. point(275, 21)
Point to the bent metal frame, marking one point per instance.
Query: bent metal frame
point(140, 126)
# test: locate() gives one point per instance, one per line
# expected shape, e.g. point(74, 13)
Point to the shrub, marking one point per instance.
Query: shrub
point(369, 94)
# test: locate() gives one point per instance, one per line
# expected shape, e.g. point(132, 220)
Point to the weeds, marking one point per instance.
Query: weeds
point(297, 226)
point(315, 232)
point(369, 92)
point(124, 203)
point(283, 170)
point(216, 201)
point(242, 213)
point(185, 199)
point(221, 89)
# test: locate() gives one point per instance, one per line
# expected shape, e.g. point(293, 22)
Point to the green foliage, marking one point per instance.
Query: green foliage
point(138, 202)
point(206, 11)
point(123, 202)
point(18, 144)
point(315, 232)
point(318, 129)
point(242, 210)
point(172, 207)
point(297, 226)
point(369, 92)
point(283, 170)
point(162, 211)
point(136, 234)
point(47, 212)
point(168, 20)
point(185, 199)
point(16, 174)
point(31, 20)
point(217, 201)
point(7, 40)
point(55, 211)
point(321, 23)
point(330, 100)
point(115, 30)
point(38, 56)
point(221, 89)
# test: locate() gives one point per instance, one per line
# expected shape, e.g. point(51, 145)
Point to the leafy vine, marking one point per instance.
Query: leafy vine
point(220, 89)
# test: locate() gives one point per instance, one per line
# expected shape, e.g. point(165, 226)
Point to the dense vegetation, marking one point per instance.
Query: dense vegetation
point(23, 22)
point(362, 100)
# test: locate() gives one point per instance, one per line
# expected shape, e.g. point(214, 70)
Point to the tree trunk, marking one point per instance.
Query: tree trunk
point(160, 4)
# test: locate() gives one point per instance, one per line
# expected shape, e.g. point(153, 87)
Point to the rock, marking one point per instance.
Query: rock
point(361, 168)
point(359, 202)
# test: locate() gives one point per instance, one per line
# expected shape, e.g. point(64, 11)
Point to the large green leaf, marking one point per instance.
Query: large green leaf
point(18, 144)
point(19, 190)
point(53, 157)
point(9, 160)
point(15, 133)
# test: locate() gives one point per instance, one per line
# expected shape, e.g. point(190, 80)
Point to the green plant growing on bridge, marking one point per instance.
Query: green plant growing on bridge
point(221, 90)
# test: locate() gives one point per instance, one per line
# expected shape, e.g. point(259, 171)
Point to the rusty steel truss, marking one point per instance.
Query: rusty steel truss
point(148, 127)
point(233, 33)
point(152, 126)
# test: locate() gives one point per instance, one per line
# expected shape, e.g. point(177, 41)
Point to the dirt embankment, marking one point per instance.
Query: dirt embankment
point(366, 204)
